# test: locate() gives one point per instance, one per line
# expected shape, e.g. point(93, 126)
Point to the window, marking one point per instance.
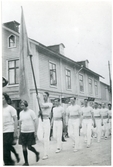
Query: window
point(90, 86)
point(13, 72)
point(68, 79)
point(96, 88)
point(53, 76)
point(11, 41)
point(81, 83)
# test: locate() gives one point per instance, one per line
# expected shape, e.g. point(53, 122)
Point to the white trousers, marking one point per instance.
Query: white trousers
point(87, 129)
point(98, 129)
point(73, 131)
point(46, 135)
point(57, 132)
point(110, 126)
point(105, 128)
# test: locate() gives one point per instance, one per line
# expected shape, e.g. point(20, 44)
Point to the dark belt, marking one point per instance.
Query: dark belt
point(58, 119)
point(45, 117)
point(86, 117)
point(105, 117)
point(74, 116)
point(97, 117)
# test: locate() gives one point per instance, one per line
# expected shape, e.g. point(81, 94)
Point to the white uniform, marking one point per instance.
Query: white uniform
point(46, 126)
point(73, 124)
point(97, 115)
point(104, 112)
point(58, 125)
point(110, 120)
point(87, 123)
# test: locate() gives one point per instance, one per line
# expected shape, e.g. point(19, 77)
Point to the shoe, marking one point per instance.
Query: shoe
point(17, 158)
point(105, 138)
point(25, 164)
point(88, 146)
point(37, 156)
point(58, 150)
point(45, 157)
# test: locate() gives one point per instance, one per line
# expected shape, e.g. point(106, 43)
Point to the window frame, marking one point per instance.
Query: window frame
point(9, 42)
point(12, 68)
point(95, 81)
point(68, 70)
point(53, 63)
point(81, 91)
point(90, 92)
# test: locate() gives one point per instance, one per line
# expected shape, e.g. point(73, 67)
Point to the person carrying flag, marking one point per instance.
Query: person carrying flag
point(46, 107)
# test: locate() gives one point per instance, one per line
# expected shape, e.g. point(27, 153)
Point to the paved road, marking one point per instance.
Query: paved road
point(99, 154)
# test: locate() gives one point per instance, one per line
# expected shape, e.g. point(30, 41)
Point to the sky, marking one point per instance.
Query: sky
point(83, 26)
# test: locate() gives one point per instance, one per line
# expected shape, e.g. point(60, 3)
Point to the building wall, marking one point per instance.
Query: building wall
point(42, 75)
point(105, 94)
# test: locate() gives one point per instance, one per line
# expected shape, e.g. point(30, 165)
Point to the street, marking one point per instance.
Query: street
point(99, 154)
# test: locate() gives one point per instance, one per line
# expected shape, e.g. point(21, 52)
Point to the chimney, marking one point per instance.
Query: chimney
point(86, 63)
point(61, 49)
point(58, 48)
point(13, 25)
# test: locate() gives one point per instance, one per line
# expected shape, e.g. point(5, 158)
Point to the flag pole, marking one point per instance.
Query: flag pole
point(110, 77)
point(40, 111)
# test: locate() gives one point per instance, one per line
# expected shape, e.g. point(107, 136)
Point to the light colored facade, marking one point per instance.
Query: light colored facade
point(55, 73)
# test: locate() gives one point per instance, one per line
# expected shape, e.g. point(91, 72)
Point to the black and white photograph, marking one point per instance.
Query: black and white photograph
point(56, 82)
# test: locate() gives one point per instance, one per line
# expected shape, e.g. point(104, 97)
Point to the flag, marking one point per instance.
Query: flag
point(24, 47)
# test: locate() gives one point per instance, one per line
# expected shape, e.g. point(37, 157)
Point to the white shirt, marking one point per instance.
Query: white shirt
point(110, 113)
point(8, 123)
point(47, 111)
point(97, 112)
point(104, 111)
point(87, 111)
point(73, 110)
point(58, 112)
point(27, 121)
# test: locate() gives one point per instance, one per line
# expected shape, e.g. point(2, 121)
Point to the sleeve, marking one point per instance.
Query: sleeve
point(47, 105)
point(91, 109)
point(67, 111)
point(63, 112)
point(33, 115)
point(79, 110)
point(13, 111)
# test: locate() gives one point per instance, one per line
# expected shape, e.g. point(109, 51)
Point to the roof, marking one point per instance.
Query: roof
point(11, 22)
point(68, 59)
point(47, 49)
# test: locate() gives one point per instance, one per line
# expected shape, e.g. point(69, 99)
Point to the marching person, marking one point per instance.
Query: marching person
point(104, 112)
point(110, 117)
point(27, 131)
point(46, 112)
point(88, 116)
point(9, 131)
point(99, 121)
point(74, 123)
point(58, 121)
